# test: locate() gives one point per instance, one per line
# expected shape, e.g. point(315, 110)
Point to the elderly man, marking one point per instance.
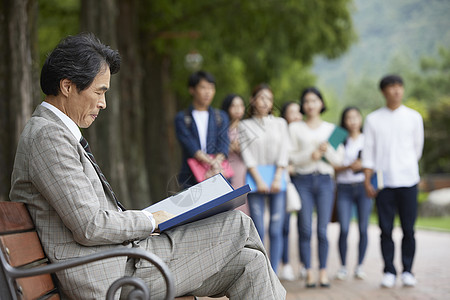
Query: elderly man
point(77, 213)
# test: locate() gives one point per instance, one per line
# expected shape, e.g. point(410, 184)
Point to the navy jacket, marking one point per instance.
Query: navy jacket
point(187, 134)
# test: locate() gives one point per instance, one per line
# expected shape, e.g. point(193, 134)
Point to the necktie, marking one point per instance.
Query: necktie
point(105, 182)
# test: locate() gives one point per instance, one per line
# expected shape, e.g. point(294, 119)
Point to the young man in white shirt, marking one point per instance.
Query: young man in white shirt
point(393, 144)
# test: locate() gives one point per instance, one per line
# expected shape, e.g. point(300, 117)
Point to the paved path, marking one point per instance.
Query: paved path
point(431, 267)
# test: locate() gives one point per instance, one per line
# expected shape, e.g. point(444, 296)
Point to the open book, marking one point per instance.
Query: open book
point(209, 197)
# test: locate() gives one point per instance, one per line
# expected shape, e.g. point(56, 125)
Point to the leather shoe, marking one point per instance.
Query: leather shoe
point(310, 283)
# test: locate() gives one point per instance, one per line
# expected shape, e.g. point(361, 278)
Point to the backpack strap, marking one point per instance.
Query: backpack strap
point(218, 117)
point(188, 118)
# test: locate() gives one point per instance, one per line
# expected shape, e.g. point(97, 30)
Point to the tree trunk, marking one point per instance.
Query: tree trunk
point(18, 87)
point(170, 155)
point(100, 17)
point(132, 112)
point(160, 107)
point(117, 136)
point(135, 139)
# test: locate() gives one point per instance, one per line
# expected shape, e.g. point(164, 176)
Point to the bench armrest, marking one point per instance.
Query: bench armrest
point(140, 288)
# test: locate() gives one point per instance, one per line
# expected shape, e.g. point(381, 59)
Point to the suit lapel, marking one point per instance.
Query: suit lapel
point(43, 112)
point(105, 188)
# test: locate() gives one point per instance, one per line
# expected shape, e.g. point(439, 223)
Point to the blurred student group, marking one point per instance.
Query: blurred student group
point(299, 163)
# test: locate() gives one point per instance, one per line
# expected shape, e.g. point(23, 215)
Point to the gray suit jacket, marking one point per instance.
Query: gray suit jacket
point(73, 213)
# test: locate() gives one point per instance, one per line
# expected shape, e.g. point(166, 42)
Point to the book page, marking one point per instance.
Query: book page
point(194, 196)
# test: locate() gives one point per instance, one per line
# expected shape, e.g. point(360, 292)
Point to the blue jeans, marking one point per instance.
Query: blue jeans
point(403, 200)
point(316, 190)
point(277, 206)
point(285, 255)
point(347, 195)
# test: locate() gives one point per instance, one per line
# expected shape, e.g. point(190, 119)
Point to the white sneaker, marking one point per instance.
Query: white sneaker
point(388, 280)
point(342, 273)
point(359, 273)
point(287, 273)
point(303, 273)
point(408, 279)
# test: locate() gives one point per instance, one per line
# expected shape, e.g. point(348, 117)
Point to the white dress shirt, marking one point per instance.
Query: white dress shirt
point(201, 118)
point(393, 144)
point(77, 134)
point(305, 141)
point(66, 120)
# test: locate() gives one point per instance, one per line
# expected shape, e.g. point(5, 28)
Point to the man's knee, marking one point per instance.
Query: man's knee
point(238, 213)
point(254, 260)
point(238, 216)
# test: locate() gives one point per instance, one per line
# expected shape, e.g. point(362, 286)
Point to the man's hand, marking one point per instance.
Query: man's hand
point(370, 190)
point(160, 217)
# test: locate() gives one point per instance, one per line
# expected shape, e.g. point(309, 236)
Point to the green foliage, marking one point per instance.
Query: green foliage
point(387, 31)
point(334, 107)
point(364, 94)
point(244, 43)
point(419, 106)
point(436, 157)
point(434, 79)
point(433, 223)
point(56, 20)
point(431, 88)
point(422, 197)
point(288, 86)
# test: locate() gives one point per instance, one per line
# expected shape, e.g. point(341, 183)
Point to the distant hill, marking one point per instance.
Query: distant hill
point(387, 30)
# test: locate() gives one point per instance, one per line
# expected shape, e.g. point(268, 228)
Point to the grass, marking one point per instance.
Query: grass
point(442, 223)
point(429, 223)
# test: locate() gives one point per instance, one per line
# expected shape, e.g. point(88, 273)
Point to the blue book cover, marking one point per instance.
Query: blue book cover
point(207, 198)
point(267, 172)
point(377, 180)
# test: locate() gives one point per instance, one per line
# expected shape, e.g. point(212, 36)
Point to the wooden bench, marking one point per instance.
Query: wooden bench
point(26, 273)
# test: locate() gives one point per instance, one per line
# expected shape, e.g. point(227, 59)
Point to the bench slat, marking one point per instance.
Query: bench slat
point(23, 248)
point(14, 216)
point(36, 286)
point(53, 297)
